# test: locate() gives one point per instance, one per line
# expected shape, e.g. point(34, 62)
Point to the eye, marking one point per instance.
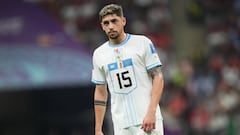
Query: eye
point(105, 22)
point(114, 20)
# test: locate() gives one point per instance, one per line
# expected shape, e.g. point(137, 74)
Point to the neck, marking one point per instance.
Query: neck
point(118, 40)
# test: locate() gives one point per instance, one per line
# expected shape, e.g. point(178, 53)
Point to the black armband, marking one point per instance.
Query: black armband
point(101, 103)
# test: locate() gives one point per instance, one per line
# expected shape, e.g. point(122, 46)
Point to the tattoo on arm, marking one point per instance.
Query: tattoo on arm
point(155, 71)
point(101, 103)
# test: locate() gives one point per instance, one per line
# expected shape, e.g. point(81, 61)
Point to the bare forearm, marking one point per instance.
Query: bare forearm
point(100, 100)
point(149, 121)
point(99, 117)
point(157, 88)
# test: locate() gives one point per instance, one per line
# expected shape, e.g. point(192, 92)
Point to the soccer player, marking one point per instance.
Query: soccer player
point(128, 65)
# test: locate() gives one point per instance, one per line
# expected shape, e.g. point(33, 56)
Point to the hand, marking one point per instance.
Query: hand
point(99, 133)
point(149, 122)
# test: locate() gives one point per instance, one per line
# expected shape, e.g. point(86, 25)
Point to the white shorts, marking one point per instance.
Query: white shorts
point(136, 130)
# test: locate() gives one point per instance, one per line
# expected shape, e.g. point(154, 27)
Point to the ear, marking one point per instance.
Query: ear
point(102, 25)
point(124, 21)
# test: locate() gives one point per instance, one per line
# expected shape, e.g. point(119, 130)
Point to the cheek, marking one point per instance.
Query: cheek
point(104, 28)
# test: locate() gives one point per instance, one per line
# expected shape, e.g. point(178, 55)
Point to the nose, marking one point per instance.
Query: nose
point(111, 25)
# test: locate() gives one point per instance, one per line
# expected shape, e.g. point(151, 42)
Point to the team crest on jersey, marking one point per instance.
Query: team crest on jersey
point(118, 56)
point(118, 53)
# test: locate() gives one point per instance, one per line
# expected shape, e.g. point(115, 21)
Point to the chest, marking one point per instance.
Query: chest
point(119, 58)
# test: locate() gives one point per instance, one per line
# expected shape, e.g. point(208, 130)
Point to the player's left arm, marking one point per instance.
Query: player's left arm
point(157, 89)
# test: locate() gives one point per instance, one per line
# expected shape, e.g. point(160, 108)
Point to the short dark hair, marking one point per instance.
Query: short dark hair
point(111, 9)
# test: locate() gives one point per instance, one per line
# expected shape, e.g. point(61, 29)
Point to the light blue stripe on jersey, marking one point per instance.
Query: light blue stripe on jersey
point(98, 82)
point(112, 66)
point(127, 62)
point(132, 117)
point(153, 65)
point(153, 50)
point(126, 107)
point(122, 43)
point(133, 109)
point(137, 116)
point(130, 110)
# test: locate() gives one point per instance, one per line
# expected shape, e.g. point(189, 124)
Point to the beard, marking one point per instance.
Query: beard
point(113, 35)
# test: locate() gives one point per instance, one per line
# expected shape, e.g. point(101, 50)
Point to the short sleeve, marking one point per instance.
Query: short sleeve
point(98, 76)
point(151, 57)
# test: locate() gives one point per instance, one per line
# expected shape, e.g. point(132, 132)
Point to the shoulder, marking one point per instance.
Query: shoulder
point(140, 37)
point(142, 41)
point(101, 49)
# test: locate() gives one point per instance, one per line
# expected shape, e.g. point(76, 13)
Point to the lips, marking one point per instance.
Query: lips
point(112, 32)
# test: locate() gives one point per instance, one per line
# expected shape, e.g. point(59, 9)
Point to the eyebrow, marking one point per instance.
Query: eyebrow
point(112, 20)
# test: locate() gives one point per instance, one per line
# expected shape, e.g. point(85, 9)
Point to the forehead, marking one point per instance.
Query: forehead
point(110, 17)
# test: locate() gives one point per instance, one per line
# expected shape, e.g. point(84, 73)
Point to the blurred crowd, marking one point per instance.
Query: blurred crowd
point(201, 95)
point(81, 22)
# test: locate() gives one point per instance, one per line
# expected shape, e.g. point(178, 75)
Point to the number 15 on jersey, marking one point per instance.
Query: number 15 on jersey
point(123, 79)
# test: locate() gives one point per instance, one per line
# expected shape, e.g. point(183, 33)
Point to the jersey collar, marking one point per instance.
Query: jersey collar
point(122, 43)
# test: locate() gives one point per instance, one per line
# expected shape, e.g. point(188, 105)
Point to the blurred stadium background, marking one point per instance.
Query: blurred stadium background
point(45, 64)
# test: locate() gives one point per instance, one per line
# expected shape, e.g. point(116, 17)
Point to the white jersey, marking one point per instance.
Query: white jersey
point(123, 67)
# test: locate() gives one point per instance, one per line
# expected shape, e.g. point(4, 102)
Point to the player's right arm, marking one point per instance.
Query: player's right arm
point(100, 101)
